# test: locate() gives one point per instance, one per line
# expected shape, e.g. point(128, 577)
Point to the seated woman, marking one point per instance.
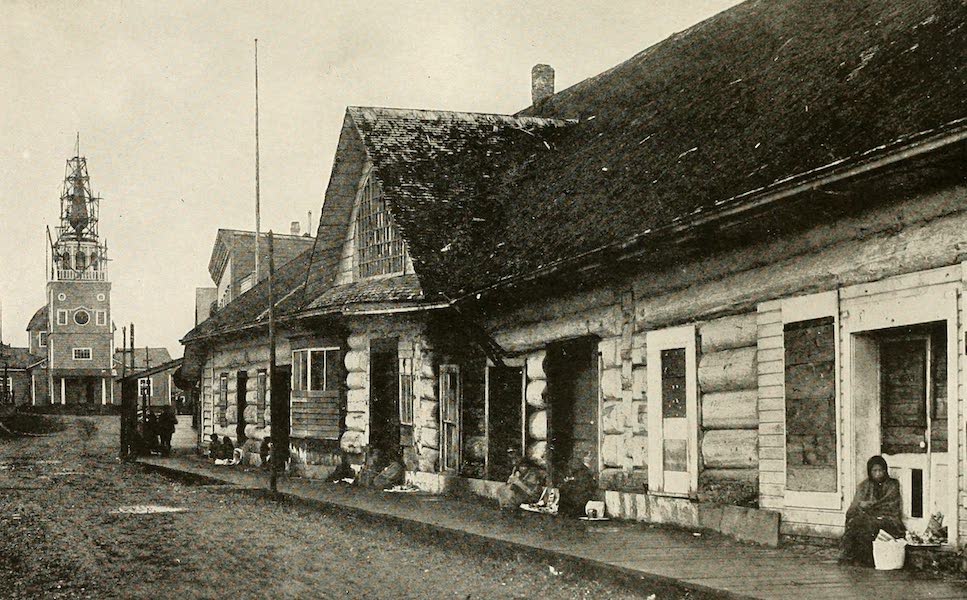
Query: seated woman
point(578, 487)
point(375, 463)
point(394, 473)
point(214, 447)
point(876, 505)
point(524, 485)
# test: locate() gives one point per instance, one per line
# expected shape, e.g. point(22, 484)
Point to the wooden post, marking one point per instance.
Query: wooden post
point(280, 435)
point(124, 351)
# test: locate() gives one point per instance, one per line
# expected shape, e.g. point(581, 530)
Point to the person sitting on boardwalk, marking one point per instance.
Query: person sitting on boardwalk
point(876, 505)
point(525, 483)
point(265, 451)
point(214, 447)
point(227, 449)
point(375, 463)
point(578, 487)
point(394, 473)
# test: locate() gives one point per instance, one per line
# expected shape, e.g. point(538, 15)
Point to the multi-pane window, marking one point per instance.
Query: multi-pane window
point(450, 417)
point(100, 317)
point(82, 354)
point(379, 247)
point(407, 396)
point(61, 316)
point(315, 369)
point(145, 387)
point(42, 339)
point(223, 400)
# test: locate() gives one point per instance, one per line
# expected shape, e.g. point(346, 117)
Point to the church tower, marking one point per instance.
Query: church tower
point(80, 340)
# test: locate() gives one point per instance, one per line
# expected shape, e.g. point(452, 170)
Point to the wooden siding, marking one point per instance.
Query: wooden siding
point(315, 414)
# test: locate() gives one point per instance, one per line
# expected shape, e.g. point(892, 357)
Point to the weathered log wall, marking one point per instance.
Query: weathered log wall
point(728, 384)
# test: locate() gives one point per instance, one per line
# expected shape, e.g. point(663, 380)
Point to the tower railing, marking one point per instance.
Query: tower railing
point(73, 275)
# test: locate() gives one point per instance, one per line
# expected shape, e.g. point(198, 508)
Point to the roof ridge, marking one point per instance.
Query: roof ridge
point(511, 117)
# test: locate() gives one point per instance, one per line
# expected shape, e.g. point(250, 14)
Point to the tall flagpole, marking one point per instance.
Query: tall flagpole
point(258, 225)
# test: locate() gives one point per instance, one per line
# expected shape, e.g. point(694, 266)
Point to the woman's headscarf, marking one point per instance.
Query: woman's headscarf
point(876, 460)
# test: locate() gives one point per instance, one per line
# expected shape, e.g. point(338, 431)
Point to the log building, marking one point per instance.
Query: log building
point(731, 268)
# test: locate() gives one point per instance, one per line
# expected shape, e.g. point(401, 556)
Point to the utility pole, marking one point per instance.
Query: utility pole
point(280, 431)
point(258, 226)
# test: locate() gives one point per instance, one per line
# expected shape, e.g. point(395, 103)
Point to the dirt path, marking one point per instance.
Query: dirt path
point(61, 537)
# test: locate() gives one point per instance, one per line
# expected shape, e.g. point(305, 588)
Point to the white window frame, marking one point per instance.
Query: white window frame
point(407, 381)
point(41, 339)
point(455, 421)
point(368, 192)
point(62, 316)
point(141, 382)
point(795, 310)
point(308, 373)
point(100, 317)
point(673, 338)
point(90, 354)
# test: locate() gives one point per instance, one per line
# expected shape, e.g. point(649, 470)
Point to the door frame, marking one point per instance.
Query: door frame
point(516, 363)
point(656, 341)
point(868, 308)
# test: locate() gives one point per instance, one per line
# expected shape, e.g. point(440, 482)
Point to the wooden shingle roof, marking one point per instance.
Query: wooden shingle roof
point(755, 96)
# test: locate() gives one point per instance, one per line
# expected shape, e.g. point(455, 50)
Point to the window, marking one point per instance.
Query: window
point(62, 296)
point(450, 417)
point(145, 387)
point(61, 316)
point(407, 396)
point(261, 388)
point(101, 317)
point(245, 284)
point(82, 317)
point(80, 261)
point(82, 354)
point(223, 400)
point(379, 247)
point(315, 370)
point(42, 339)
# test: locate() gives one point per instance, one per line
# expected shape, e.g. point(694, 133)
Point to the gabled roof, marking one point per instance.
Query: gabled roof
point(39, 320)
point(17, 358)
point(251, 307)
point(143, 357)
point(757, 95)
point(241, 246)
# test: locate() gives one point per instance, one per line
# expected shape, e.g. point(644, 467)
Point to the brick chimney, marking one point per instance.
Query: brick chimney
point(294, 228)
point(542, 83)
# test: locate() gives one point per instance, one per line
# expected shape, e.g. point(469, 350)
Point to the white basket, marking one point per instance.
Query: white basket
point(888, 556)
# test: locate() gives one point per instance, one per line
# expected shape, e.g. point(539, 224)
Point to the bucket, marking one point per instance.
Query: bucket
point(888, 556)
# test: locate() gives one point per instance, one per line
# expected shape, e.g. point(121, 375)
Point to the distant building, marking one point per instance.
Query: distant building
point(232, 263)
point(15, 364)
point(156, 385)
point(72, 331)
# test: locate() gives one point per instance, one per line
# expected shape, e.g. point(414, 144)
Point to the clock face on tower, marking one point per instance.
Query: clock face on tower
point(82, 317)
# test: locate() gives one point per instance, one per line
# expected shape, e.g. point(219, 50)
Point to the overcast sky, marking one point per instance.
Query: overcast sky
point(162, 95)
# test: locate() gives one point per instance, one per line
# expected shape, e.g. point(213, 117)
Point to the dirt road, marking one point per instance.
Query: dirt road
point(61, 536)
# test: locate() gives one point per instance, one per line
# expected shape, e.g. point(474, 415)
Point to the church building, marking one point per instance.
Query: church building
point(73, 329)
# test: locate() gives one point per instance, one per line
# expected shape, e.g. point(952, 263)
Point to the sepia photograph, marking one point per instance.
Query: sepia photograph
point(618, 299)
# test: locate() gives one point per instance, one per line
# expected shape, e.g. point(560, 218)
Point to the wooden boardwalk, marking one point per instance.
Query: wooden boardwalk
point(707, 563)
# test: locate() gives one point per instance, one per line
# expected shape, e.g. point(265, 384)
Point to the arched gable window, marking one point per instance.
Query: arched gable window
point(379, 247)
point(80, 260)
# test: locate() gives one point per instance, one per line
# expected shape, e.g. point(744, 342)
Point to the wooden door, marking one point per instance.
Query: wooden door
point(673, 414)
point(504, 408)
point(905, 423)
